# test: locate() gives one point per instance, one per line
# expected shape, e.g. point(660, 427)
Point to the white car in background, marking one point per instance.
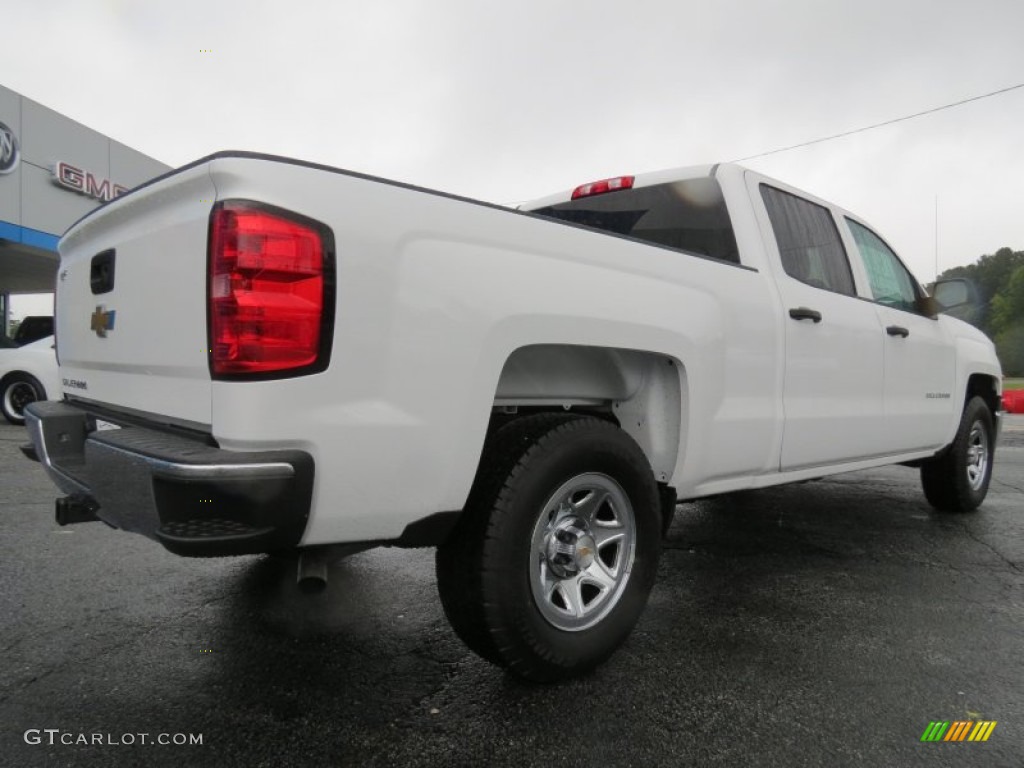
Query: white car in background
point(27, 374)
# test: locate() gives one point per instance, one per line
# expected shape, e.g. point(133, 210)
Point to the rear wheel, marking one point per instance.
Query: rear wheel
point(551, 564)
point(17, 390)
point(958, 480)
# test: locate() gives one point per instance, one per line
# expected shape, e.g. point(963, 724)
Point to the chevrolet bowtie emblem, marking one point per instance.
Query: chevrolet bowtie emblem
point(103, 321)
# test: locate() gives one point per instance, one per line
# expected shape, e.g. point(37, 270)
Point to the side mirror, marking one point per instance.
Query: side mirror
point(958, 297)
point(953, 293)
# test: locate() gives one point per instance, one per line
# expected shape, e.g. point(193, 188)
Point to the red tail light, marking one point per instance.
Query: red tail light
point(602, 186)
point(271, 292)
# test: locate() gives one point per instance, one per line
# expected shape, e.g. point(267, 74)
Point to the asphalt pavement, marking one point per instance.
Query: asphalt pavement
point(821, 624)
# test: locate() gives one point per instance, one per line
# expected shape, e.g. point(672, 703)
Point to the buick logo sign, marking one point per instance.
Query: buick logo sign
point(9, 154)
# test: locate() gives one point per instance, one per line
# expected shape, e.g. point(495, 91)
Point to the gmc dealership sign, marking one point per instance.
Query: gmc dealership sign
point(77, 180)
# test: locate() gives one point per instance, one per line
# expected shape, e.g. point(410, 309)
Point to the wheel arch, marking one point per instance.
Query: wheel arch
point(987, 388)
point(644, 392)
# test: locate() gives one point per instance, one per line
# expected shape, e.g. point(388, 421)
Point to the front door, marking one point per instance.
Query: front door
point(920, 362)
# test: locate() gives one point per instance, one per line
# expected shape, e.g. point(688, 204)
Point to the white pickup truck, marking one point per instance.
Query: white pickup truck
point(260, 354)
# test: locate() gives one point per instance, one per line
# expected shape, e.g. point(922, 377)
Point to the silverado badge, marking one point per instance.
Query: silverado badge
point(103, 321)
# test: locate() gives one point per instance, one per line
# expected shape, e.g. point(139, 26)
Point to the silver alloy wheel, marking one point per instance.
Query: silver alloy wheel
point(584, 544)
point(977, 455)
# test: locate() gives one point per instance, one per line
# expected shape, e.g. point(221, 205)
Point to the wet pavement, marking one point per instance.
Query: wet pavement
point(818, 624)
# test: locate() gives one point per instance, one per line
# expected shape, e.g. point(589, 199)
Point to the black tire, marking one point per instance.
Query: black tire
point(16, 391)
point(531, 496)
point(957, 481)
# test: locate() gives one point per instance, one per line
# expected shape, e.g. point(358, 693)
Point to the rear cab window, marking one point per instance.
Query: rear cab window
point(688, 216)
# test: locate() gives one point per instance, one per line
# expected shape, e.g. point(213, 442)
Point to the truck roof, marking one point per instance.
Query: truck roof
point(647, 179)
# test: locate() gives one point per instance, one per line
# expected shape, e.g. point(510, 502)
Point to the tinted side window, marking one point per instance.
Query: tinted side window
point(687, 215)
point(809, 243)
point(34, 328)
point(891, 283)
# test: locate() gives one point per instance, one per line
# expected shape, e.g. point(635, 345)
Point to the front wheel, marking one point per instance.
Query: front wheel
point(958, 480)
point(17, 390)
point(552, 562)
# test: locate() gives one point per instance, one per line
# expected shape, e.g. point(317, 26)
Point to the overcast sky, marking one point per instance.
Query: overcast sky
point(513, 100)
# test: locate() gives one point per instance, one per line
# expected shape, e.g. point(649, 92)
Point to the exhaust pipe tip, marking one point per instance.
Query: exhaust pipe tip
point(312, 571)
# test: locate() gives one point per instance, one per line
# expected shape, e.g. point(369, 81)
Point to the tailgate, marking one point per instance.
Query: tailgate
point(131, 301)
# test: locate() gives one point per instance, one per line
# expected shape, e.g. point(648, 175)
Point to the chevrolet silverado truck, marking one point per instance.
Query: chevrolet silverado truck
point(261, 355)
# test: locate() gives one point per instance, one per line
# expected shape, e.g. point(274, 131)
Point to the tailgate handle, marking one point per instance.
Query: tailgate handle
point(101, 272)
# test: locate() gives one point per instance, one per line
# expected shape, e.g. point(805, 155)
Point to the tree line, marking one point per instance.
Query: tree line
point(998, 305)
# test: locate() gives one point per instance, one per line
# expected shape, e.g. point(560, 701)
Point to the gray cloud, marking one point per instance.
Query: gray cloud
point(511, 101)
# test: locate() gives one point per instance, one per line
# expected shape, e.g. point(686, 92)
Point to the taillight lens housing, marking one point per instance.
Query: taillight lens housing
point(271, 292)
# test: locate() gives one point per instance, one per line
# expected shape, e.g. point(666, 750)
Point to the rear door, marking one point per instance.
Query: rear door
point(833, 384)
